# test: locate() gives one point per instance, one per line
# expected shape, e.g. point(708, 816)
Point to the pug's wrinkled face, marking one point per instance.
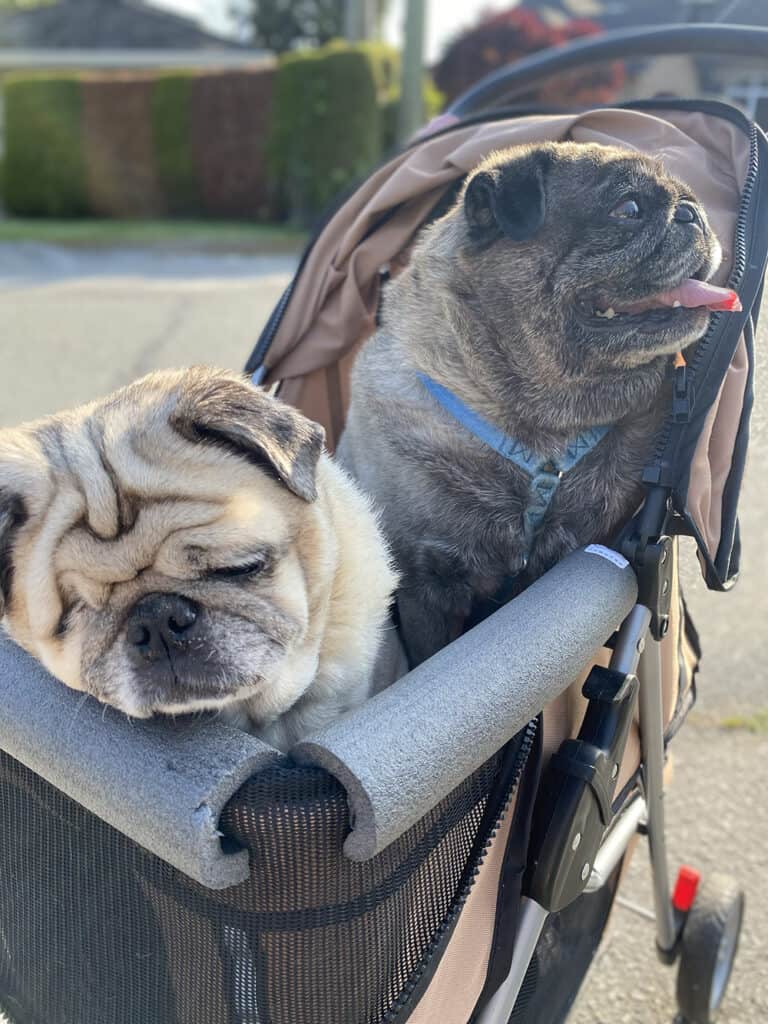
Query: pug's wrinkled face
point(159, 548)
point(590, 256)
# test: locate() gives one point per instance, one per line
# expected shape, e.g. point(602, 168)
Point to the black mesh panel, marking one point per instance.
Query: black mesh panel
point(94, 930)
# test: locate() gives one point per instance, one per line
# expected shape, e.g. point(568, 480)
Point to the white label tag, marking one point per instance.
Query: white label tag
point(609, 554)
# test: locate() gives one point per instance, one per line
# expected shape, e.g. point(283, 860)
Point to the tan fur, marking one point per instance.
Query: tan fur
point(123, 500)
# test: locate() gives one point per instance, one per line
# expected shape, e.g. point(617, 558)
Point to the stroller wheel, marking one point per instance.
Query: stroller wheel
point(708, 948)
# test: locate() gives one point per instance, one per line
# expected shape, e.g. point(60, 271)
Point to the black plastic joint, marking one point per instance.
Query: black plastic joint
point(607, 685)
point(653, 563)
point(583, 761)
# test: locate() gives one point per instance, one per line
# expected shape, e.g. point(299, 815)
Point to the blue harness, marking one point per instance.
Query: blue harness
point(545, 473)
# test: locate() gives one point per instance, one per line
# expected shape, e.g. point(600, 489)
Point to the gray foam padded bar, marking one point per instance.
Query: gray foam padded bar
point(161, 782)
point(405, 749)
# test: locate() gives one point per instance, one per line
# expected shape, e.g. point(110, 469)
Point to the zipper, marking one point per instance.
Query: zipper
point(471, 873)
point(684, 376)
point(255, 364)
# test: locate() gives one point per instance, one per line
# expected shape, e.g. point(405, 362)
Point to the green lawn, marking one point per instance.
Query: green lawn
point(757, 722)
point(173, 234)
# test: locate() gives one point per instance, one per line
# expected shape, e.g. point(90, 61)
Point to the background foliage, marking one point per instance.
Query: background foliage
point(502, 38)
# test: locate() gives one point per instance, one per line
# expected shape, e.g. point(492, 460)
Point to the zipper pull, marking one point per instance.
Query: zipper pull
point(682, 391)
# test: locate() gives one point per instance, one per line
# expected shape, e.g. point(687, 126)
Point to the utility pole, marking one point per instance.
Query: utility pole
point(411, 113)
point(359, 20)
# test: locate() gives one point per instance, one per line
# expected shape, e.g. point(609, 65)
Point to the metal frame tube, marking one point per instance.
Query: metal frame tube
point(652, 743)
point(627, 649)
point(615, 844)
point(654, 41)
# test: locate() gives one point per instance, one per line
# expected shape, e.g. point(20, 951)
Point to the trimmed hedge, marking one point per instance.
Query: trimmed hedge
point(138, 145)
point(119, 148)
point(434, 102)
point(326, 126)
point(45, 171)
point(242, 144)
point(171, 133)
point(232, 174)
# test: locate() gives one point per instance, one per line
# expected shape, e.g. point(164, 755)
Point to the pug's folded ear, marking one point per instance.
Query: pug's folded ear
point(12, 514)
point(508, 198)
point(230, 412)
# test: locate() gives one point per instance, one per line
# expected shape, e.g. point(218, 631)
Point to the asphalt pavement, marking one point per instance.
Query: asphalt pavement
point(76, 324)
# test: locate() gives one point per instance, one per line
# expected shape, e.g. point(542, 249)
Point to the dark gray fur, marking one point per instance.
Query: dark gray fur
point(491, 306)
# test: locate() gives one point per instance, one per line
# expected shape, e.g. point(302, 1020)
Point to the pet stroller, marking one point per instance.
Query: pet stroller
point(185, 873)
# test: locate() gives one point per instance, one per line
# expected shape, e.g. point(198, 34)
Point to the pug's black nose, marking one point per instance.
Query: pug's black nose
point(687, 213)
point(160, 624)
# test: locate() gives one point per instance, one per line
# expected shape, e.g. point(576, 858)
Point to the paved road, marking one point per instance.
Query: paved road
point(73, 326)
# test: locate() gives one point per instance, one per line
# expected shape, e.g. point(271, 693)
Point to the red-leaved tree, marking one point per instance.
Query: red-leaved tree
point(504, 37)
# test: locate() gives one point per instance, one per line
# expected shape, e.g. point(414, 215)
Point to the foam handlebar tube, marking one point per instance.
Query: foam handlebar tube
point(163, 783)
point(409, 746)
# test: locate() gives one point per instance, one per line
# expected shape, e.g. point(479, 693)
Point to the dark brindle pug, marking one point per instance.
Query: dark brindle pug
point(549, 301)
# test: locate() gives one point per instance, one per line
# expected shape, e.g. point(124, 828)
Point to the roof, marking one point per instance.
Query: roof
point(105, 24)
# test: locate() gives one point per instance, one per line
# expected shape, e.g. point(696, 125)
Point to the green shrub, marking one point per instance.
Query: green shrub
point(326, 125)
point(385, 64)
point(171, 137)
point(45, 173)
point(390, 112)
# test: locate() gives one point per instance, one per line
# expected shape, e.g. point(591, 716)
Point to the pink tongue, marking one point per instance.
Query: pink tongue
point(693, 293)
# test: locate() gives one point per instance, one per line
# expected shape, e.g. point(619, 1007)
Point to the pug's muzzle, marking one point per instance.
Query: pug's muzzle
point(167, 646)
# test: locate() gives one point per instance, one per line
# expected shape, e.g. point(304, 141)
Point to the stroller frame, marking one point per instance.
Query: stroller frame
point(632, 646)
point(581, 828)
point(636, 647)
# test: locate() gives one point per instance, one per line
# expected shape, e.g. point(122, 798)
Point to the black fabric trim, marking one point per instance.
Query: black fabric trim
point(511, 880)
point(729, 550)
point(506, 783)
point(723, 570)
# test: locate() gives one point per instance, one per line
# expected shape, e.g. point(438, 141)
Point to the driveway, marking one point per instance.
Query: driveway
point(76, 325)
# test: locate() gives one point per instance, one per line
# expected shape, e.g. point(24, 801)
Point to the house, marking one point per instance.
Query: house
point(103, 25)
point(111, 35)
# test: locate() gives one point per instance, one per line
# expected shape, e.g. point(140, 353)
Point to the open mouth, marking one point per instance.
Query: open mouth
point(690, 294)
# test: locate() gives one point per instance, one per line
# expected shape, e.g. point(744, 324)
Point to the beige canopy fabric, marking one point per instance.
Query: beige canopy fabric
point(333, 307)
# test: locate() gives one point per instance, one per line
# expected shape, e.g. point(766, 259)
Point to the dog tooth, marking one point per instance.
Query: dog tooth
point(676, 304)
point(610, 313)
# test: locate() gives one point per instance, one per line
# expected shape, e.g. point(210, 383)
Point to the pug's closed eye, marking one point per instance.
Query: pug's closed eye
point(260, 565)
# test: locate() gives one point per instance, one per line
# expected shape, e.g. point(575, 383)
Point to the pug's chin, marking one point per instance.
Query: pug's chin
point(638, 339)
point(186, 707)
point(135, 707)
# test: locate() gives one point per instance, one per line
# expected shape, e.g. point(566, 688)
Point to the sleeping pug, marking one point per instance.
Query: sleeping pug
point(185, 544)
point(502, 414)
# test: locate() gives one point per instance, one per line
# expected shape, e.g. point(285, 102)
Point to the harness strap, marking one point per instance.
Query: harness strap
point(545, 472)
